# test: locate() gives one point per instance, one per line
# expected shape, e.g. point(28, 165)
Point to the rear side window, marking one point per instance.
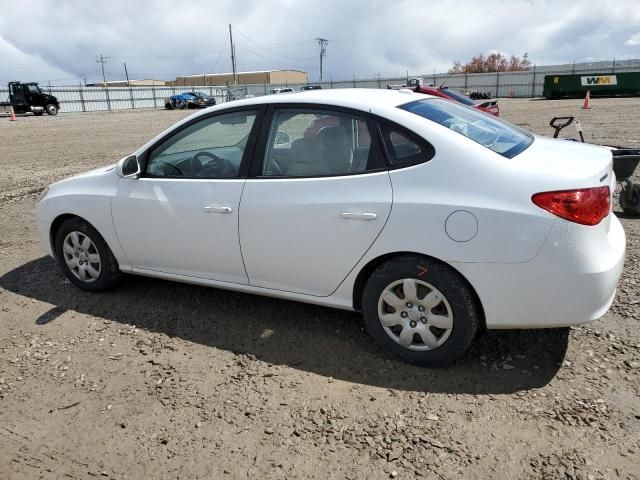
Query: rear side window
point(319, 143)
point(405, 148)
point(495, 134)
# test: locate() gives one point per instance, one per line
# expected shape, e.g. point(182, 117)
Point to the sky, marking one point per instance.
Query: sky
point(59, 41)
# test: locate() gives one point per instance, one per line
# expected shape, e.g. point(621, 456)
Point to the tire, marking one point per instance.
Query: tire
point(101, 275)
point(442, 296)
point(51, 109)
point(630, 200)
point(168, 106)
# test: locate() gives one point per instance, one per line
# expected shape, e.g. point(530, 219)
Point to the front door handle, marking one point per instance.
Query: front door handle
point(211, 209)
point(358, 216)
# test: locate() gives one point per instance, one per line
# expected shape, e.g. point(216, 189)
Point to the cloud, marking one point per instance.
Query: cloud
point(166, 38)
point(634, 40)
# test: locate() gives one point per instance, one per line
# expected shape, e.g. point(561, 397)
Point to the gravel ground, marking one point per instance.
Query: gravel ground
point(165, 380)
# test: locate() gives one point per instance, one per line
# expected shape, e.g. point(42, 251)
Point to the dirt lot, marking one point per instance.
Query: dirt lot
point(164, 380)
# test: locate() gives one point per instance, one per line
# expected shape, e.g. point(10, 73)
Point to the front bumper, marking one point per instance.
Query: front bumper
point(572, 280)
point(45, 240)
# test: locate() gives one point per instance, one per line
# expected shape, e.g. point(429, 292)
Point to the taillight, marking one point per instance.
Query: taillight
point(586, 206)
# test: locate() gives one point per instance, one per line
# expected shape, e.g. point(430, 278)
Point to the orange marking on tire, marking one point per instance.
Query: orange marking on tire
point(422, 270)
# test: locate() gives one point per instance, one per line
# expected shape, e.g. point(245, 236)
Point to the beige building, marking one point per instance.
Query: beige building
point(266, 77)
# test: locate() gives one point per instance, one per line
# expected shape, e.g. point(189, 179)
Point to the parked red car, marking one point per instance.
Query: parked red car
point(487, 106)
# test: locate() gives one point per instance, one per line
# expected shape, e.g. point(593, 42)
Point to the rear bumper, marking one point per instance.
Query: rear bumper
point(572, 280)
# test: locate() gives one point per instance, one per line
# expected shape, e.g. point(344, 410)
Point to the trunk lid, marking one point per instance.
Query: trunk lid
point(565, 156)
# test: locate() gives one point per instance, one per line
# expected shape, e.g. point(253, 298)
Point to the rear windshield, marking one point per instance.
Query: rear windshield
point(495, 134)
point(458, 96)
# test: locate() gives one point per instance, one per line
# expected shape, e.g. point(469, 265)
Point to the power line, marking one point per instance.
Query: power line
point(268, 49)
point(272, 60)
point(215, 64)
point(243, 47)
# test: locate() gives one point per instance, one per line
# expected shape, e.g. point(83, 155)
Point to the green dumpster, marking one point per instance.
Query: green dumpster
point(599, 84)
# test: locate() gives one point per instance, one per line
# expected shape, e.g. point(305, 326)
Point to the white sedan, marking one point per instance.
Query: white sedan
point(432, 219)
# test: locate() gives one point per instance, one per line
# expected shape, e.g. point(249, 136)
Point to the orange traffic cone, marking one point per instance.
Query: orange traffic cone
point(12, 117)
point(587, 101)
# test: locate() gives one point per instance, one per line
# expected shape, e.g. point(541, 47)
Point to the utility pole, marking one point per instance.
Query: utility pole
point(126, 74)
point(233, 57)
point(102, 61)
point(322, 43)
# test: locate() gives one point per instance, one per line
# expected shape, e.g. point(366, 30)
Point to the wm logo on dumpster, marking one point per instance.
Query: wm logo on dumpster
point(599, 80)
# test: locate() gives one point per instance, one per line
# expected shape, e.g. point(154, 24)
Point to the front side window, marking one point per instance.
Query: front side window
point(317, 143)
point(33, 88)
point(489, 131)
point(211, 148)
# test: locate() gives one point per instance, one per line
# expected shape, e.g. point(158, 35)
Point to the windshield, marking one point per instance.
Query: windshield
point(457, 96)
point(491, 132)
point(196, 94)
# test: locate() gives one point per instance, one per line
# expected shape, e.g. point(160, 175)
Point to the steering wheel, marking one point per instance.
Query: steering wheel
point(215, 167)
point(174, 167)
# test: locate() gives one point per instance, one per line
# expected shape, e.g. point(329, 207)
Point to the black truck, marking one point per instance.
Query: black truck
point(27, 97)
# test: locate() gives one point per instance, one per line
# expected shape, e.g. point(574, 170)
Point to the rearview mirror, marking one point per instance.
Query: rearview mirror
point(128, 167)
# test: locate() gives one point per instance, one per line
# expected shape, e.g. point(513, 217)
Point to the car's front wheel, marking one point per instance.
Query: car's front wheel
point(85, 257)
point(420, 310)
point(51, 109)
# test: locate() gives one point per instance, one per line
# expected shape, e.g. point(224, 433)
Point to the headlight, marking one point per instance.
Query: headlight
point(43, 194)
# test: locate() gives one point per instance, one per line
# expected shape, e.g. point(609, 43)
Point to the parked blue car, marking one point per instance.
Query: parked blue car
point(189, 100)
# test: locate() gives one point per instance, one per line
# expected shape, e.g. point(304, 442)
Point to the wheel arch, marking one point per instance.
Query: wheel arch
point(366, 271)
point(58, 221)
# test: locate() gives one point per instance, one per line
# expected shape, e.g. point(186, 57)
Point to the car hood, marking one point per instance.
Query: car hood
point(559, 154)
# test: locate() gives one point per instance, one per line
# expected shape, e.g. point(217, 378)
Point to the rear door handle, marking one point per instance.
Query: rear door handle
point(358, 216)
point(211, 209)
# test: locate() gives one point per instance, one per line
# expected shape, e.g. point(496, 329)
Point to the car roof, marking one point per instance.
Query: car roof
point(358, 98)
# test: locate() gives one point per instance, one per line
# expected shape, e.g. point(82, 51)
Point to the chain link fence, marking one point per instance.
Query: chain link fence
point(527, 84)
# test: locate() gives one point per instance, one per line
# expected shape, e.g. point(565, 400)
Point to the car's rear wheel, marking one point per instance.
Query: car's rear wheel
point(420, 310)
point(84, 256)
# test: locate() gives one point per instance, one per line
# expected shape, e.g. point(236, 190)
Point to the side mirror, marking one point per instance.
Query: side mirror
point(128, 167)
point(282, 138)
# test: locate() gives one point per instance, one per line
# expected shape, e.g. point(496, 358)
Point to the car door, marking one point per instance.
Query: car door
point(318, 195)
point(181, 215)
